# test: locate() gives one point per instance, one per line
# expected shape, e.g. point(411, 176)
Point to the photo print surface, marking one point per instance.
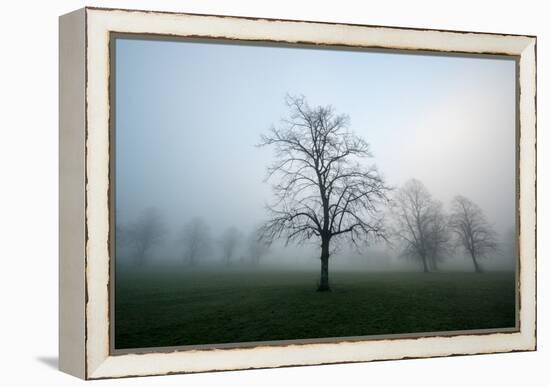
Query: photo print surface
point(273, 193)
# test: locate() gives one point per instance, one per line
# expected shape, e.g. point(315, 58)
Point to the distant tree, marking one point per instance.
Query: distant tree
point(230, 241)
point(420, 224)
point(323, 189)
point(474, 232)
point(439, 236)
point(257, 246)
point(146, 232)
point(196, 239)
point(509, 247)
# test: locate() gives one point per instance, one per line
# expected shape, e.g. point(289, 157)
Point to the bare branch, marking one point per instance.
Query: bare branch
point(323, 187)
point(474, 232)
point(420, 225)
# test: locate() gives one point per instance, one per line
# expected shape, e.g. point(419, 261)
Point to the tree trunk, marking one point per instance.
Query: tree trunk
point(476, 265)
point(433, 262)
point(425, 265)
point(323, 284)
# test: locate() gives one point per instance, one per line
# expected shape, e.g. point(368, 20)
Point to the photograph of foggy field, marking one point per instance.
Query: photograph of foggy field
point(265, 193)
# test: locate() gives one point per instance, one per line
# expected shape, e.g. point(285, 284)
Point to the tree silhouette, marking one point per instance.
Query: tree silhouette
point(421, 224)
point(509, 247)
point(257, 246)
point(196, 240)
point(231, 239)
point(147, 231)
point(474, 232)
point(323, 189)
point(439, 237)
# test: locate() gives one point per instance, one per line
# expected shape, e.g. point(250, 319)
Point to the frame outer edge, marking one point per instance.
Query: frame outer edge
point(528, 194)
point(72, 230)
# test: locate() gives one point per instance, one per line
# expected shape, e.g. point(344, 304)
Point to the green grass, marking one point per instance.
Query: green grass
point(174, 307)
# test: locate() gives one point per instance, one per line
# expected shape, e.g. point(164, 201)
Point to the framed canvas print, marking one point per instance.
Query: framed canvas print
point(244, 193)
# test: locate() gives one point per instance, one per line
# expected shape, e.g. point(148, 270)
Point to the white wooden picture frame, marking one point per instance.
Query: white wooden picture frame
point(85, 217)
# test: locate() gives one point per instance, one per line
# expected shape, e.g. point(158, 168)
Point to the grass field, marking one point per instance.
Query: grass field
point(172, 308)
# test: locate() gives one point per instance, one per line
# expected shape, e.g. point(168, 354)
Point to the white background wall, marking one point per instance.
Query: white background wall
point(28, 205)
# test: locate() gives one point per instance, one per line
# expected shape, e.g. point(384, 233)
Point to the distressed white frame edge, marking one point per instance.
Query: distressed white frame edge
point(72, 234)
point(99, 24)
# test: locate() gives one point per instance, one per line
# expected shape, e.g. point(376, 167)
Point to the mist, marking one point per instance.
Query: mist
point(189, 117)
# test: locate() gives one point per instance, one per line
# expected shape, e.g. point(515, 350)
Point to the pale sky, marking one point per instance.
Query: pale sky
point(188, 116)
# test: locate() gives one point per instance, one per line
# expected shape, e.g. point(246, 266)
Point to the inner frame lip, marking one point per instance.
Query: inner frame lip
point(215, 40)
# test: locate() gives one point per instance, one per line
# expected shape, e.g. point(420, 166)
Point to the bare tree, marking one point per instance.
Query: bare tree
point(323, 190)
point(196, 240)
point(474, 232)
point(439, 236)
point(508, 248)
point(420, 224)
point(230, 241)
point(146, 232)
point(257, 246)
